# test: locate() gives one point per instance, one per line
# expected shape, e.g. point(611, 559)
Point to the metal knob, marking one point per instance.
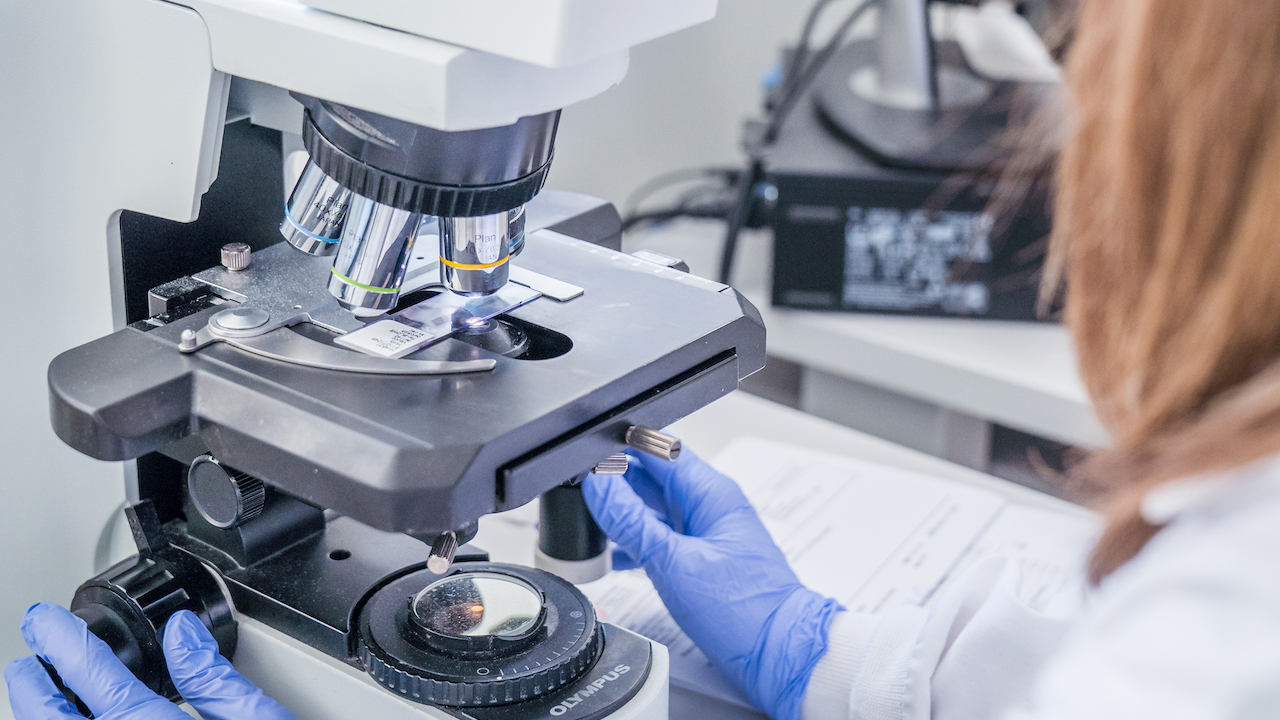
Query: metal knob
point(658, 444)
point(236, 256)
point(442, 552)
point(225, 497)
point(612, 465)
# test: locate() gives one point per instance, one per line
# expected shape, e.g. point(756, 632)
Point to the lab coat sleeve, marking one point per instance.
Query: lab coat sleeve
point(1188, 629)
point(972, 654)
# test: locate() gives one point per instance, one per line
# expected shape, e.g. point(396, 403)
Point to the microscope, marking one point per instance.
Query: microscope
point(318, 395)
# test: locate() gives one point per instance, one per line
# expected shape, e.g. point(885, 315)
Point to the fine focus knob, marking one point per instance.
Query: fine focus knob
point(658, 444)
point(226, 498)
point(236, 256)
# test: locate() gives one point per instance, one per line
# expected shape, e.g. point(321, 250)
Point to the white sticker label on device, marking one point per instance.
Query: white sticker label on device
point(385, 338)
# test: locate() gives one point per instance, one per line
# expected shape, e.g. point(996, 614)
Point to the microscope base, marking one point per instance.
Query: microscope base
point(318, 687)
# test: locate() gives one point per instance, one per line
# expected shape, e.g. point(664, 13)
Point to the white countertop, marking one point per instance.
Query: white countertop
point(1018, 374)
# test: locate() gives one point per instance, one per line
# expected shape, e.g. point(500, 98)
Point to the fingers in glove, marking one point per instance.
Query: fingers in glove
point(86, 664)
point(649, 490)
point(206, 679)
point(700, 494)
point(626, 519)
point(32, 693)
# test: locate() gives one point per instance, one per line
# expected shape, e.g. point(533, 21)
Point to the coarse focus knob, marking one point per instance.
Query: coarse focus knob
point(225, 497)
point(612, 465)
point(648, 440)
point(128, 605)
point(236, 256)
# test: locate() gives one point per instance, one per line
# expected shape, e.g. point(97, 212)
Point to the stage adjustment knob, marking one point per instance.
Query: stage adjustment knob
point(225, 497)
point(658, 444)
point(612, 465)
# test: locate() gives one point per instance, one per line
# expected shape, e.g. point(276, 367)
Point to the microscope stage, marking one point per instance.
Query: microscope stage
point(642, 345)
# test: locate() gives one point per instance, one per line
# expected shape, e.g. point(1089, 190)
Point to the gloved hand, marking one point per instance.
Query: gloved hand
point(88, 667)
point(719, 572)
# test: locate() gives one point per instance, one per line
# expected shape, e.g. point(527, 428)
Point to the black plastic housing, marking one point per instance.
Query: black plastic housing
point(428, 171)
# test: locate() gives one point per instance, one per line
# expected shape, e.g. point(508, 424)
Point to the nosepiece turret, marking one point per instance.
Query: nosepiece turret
point(372, 181)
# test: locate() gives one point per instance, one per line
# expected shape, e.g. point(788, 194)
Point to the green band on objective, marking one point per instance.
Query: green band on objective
point(370, 288)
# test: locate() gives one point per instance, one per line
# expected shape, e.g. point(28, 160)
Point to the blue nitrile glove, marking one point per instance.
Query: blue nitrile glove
point(88, 667)
point(720, 574)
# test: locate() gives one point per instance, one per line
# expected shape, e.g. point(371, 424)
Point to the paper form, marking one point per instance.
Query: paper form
point(1051, 548)
point(868, 535)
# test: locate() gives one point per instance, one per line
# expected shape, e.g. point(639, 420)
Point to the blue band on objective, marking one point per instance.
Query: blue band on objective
point(305, 231)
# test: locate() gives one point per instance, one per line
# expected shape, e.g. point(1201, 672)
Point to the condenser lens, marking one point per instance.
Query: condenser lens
point(478, 604)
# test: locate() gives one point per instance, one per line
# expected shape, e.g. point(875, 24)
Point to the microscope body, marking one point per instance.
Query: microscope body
point(304, 445)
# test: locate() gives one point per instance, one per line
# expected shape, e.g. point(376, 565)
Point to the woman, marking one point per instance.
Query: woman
point(1168, 218)
point(1167, 231)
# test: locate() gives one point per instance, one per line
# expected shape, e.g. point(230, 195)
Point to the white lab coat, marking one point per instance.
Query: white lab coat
point(1190, 628)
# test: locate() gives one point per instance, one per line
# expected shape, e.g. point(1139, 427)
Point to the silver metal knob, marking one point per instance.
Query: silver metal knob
point(658, 444)
point(236, 256)
point(612, 465)
point(442, 552)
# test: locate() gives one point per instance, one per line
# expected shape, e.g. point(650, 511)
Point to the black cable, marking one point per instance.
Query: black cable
point(810, 72)
point(796, 88)
point(668, 179)
point(798, 75)
point(738, 215)
point(660, 216)
point(800, 56)
point(698, 202)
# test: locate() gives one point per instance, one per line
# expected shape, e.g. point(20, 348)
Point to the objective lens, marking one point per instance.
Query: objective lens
point(314, 215)
point(477, 604)
point(515, 230)
point(474, 252)
point(373, 256)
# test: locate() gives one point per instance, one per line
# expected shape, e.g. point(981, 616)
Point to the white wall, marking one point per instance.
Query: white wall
point(681, 105)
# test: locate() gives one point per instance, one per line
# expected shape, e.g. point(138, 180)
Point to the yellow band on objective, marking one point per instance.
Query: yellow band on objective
point(464, 266)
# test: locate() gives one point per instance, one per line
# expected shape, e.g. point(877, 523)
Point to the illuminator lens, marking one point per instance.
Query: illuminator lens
point(477, 604)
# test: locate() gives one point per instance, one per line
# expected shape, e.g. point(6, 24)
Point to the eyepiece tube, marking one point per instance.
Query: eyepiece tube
point(373, 256)
point(474, 251)
point(314, 215)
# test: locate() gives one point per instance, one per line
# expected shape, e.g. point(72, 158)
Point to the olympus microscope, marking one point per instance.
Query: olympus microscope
point(315, 415)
